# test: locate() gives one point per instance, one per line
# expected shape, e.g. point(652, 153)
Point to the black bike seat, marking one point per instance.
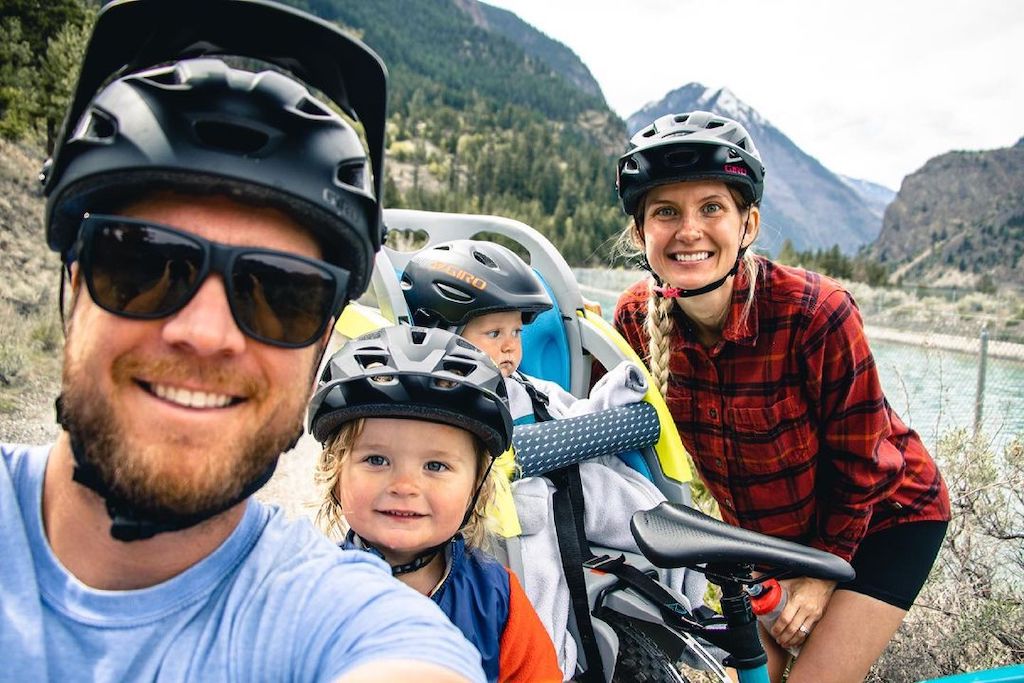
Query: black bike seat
point(673, 535)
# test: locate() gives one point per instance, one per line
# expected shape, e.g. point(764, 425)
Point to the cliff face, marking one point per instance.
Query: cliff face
point(957, 219)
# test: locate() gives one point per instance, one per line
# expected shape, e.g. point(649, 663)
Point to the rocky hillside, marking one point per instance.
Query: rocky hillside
point(559, 57)
point(804, 201)
point(959, 219)
point(30, 270)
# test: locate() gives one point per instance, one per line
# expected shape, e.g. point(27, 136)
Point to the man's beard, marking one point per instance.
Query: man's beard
point(140, 469)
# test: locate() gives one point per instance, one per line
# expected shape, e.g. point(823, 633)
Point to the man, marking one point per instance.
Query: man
point(213, 222)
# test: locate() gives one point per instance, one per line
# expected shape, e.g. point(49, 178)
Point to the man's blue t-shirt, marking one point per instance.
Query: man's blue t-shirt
point(276, 601)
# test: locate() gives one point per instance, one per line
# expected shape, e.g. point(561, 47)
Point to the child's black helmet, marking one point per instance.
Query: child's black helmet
point(692, 146)
point(453, 282)
point(418, 373)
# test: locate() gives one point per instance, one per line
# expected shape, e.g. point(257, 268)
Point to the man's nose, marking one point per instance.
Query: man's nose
point(205, 325)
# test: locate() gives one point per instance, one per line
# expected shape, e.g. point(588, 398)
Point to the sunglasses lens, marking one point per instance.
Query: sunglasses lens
point(281, 299)
point(141, 271)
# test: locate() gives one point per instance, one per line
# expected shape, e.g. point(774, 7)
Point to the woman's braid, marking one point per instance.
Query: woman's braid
point(659, 332)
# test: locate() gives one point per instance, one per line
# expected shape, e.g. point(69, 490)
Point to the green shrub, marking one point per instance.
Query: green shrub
point(968, 615)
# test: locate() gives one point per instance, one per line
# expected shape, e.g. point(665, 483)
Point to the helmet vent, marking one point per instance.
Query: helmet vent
point(649, 132)
point(384, 379)
point(458, 368)
point(715, 124)
point(230, 137)
point(311, 107)
point(453, 293)
point(681, 118)
point(352, 174)
point(370, 360)
point(485, 259)
point(418, 335)
point(682, 158)
point(98, 126)
point(163, 77)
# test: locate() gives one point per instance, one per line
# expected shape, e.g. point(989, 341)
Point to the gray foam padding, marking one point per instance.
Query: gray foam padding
point(547, 446)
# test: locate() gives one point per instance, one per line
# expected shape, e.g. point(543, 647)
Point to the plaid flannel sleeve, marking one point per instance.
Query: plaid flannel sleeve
point(859, 466)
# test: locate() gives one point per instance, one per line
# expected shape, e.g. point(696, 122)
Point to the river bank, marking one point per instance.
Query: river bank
point(947, 342)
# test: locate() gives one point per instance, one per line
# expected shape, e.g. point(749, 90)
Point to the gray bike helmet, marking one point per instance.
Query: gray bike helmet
point(201, 126)
point(418, 373)
point(450, 283)
point(692, 146)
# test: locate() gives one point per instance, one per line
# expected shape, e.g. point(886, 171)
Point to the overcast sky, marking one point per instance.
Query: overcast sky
point(872, 88)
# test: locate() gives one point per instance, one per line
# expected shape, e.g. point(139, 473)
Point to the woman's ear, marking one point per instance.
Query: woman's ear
point(753, 226)
point(638, 233)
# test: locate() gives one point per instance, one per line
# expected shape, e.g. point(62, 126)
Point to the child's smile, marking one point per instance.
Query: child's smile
point(406, 485)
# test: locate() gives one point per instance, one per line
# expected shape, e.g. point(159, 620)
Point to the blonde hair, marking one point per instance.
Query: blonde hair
point(331, 517)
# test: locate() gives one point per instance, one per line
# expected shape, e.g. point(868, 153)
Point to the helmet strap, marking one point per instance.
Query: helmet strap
point(678, 293)
point(128, 521)
point(414, 565)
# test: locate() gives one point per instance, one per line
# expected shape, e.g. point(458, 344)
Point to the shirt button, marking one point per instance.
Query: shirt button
point(727, 503)
point(718, 462)
point(713, 413)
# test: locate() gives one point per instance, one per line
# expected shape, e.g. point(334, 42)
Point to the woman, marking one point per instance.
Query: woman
point(770, 380)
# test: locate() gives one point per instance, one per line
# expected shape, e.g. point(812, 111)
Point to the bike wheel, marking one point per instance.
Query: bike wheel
point(640, 659)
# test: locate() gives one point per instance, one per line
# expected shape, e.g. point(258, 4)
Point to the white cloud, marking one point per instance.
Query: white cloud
point(873, 89)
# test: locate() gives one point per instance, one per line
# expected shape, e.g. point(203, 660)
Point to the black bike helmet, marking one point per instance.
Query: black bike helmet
point(450, 283)
point(694, 146)
point(201, 126)
point(418, 373)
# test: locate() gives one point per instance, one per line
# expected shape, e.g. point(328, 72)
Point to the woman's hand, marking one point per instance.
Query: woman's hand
point(807, 601)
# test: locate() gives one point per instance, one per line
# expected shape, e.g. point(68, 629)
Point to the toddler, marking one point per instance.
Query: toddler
point(411, 420)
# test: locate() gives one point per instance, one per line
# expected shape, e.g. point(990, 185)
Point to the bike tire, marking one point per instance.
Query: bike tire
point(640, 660)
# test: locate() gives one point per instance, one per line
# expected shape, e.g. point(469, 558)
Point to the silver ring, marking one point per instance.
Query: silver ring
point(804, 630)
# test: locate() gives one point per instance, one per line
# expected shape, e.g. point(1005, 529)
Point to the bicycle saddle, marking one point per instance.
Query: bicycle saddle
point(672, 535)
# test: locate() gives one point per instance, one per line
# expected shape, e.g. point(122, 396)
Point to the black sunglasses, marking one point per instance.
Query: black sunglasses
point(138, 269)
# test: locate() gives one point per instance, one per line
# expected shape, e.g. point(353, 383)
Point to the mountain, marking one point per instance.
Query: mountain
point(804, 202)
point(876, 196)
point(564, 61)
point(958, 219)
point(489, 115)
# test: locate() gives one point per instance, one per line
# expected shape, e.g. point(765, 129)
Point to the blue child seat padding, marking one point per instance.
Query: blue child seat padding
point(546, 355)
point(546, 347)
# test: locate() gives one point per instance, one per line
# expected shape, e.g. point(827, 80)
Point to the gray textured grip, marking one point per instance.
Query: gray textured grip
point(547, 446)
